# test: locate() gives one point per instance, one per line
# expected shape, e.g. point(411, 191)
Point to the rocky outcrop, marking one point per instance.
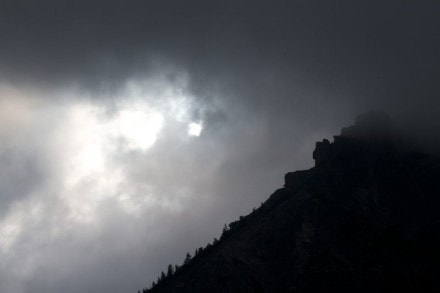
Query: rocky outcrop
point(366, 218)
point(372, 132)
point(322, 152)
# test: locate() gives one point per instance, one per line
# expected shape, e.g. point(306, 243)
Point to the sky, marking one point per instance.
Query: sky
point(132, 131)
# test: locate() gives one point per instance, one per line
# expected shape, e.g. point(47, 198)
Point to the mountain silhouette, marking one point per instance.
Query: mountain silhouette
point(365, 218)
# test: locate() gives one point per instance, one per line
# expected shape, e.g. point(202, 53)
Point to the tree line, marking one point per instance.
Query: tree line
point(189, 259)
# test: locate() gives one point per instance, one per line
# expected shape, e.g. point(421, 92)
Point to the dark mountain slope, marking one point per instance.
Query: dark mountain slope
point(366, 218)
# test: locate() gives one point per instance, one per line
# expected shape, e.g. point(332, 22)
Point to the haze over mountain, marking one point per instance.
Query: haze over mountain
point(365, 218)
point(132, 130)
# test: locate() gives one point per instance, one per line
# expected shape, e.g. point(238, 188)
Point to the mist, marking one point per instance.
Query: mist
point(104, 182)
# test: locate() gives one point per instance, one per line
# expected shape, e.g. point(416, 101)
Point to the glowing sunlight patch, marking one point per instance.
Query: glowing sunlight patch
point(194, 129)
point(139, 127)
point(108, 159)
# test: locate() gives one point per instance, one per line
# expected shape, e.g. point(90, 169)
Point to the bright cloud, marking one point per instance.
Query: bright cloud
point(139, 127)
point(86, 142)
point(194, 129)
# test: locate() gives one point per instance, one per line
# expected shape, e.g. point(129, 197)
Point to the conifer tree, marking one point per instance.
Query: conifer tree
point(170, 271)
point(225, 230)
point(187, 259)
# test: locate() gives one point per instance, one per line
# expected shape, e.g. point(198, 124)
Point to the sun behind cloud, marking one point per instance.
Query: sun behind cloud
point(138, 127)
point(195, 129)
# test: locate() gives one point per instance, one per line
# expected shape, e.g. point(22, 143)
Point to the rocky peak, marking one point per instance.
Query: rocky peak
point(373, 130)
point(372, 125)
point(364, 219)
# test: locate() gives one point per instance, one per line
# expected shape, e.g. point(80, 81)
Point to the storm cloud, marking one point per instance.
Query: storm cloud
point(102, 184)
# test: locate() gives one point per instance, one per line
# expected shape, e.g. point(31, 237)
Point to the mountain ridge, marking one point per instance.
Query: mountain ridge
point(363, 219)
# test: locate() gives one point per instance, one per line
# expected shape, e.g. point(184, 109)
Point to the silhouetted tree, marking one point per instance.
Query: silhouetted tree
point(198, 251)
point(187, 259)
point(176, 268)
point(215, 241)
point(170, 271)
point(224, 231)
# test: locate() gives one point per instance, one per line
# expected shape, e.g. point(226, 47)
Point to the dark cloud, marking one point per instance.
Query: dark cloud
point(368, 48)
point(266, 78)
point(20, 174)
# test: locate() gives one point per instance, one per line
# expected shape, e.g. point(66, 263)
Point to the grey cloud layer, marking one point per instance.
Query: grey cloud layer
point(267, 78)
point(341, 44)
point(289, 54)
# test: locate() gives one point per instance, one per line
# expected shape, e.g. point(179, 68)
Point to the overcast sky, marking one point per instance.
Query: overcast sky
point(132, 131)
